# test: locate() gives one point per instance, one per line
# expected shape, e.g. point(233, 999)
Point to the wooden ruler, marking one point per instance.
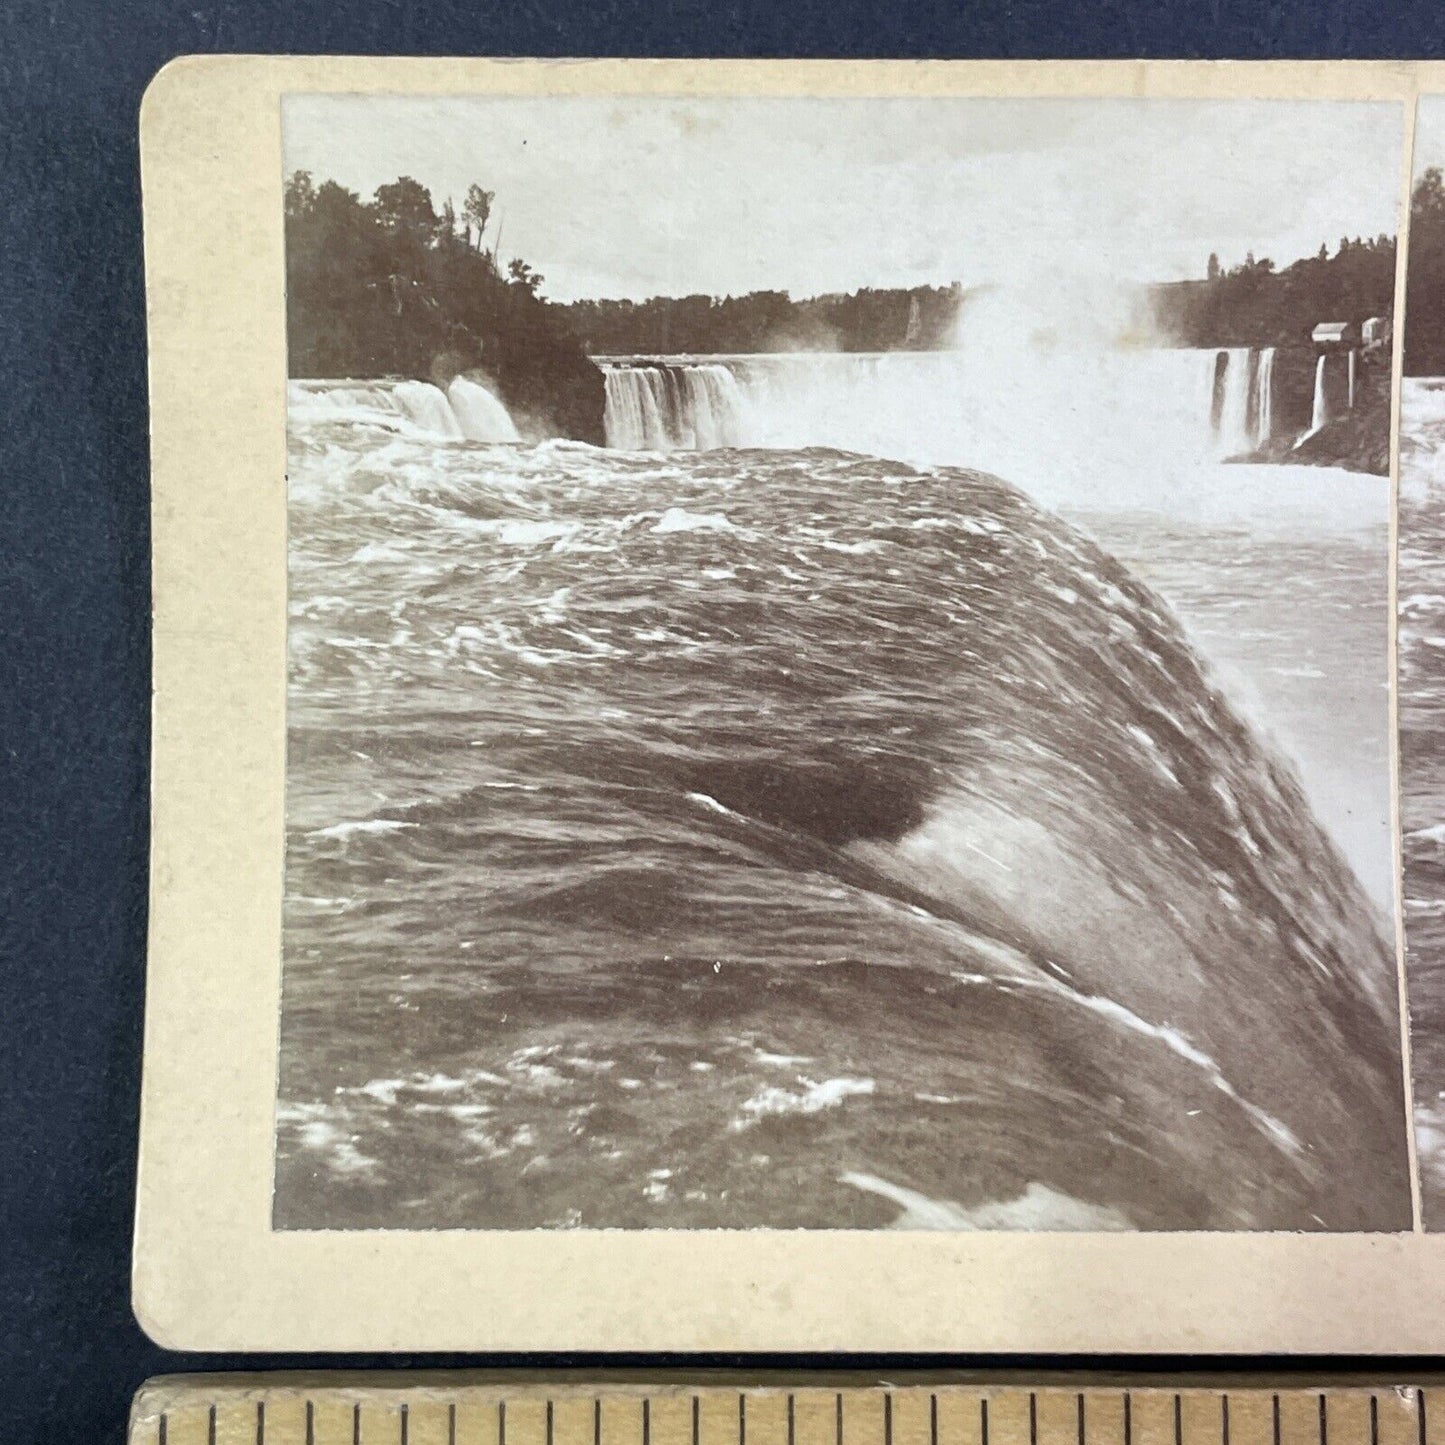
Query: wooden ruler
point(395, 1409)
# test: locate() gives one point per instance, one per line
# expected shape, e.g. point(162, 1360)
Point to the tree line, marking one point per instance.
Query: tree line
point(1425, 278)
point(1255, 304)
point(1252, 303)
point(392, 286)
point(869, 319)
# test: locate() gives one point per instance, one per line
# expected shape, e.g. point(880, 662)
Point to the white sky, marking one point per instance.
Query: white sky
point(1430, 133)
point(653, 196)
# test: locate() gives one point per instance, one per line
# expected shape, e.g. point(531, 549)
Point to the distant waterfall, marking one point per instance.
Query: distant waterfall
point(981, 408)
point(1264, 397)
point(466, 411)
point(1350, 391)
point(668, 406)
point(1320, 412)
point(1231, 400)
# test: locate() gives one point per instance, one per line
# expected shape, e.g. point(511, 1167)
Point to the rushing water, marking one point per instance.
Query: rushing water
point(790, 837)
point(1422, 763)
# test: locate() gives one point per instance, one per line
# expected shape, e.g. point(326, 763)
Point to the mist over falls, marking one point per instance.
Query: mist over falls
point(960, 406)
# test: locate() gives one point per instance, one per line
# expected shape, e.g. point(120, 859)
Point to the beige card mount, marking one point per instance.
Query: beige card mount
point(774, 709)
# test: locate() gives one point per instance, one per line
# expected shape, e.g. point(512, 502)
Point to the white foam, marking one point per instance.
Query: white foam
point(318, 905)
point(781, 1061)
point(812, 1098)
point(1038, 1208)
point(678, 519)
point(708, 801)
point(529, 534)
point(321, 1135)
point(344, 831)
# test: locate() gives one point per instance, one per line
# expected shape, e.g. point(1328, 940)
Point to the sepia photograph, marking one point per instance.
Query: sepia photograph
point(1421, 604)
point(838, 665)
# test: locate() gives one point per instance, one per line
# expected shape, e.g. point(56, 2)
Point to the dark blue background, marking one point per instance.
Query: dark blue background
point(74, 571)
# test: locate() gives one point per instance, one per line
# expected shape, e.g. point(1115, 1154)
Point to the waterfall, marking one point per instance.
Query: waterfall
point(466, 411)
point(427, 408)
point(636, 399)
point(1350, 392)
point(1232, 404)
point(1320, 413)
point(481, 416)
point(993, 408)
point(1264, 397)
point(666, 406)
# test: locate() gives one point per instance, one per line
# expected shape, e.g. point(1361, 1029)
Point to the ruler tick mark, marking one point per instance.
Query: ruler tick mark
point(303, 1421)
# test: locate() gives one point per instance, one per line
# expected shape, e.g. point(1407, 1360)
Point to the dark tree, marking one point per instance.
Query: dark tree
point(388, 289)
point(477, 209)
point(1425, 278)
point(405, 205)
point(524, 275)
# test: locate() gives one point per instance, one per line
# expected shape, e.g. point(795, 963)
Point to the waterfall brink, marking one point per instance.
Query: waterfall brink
point(1264, 397)
point(1320, 412)
point(466, 411)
